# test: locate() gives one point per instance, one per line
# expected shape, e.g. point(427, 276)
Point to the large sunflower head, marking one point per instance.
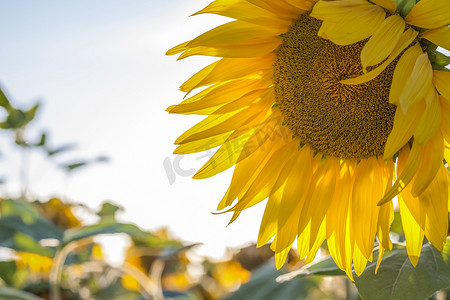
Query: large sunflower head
point(328, 109)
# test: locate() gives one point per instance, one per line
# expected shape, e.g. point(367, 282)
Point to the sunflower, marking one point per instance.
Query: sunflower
point(328, 109)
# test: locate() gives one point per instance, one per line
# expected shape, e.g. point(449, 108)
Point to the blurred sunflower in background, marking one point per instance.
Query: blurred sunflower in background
point(329, 109)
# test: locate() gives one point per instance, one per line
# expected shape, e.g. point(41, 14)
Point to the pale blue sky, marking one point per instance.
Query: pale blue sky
point(99, 68)
point(100, 71)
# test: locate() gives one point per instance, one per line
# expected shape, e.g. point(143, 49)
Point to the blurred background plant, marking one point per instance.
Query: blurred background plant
point(49, 250)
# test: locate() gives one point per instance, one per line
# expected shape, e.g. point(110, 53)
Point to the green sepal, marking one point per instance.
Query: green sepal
point(439, 61)
point(405, 6)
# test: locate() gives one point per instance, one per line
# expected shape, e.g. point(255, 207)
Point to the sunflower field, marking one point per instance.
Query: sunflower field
point(49, 251)
point(334, 114)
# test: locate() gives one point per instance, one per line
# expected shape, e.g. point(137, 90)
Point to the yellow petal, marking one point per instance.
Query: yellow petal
point(405, 40)
point(246, 172)
point(385, 219)
point(227, 69)
point(269, 222)
point(447, 153)
point(390, 5)
point(245, 11)
point(441, 79)
point(407, 174)
point(414, 205)
point(318, 241)
point(429, 14)
point(418, 83)
point(438, 36)
point(242, 118)
point(291, 205)
point(383, 41)
point(221, 94)
point(206, 123)
point(202, 145)
point(430, 122)
point(359, 261)
point(435, 204)
point(232, 32)
point(386, 215)
point(336, 219)
point(380, 257)
point(404, 127)
point(303, 241)
point(349, 244)
point(279, 8)
point(247, 48)
point(413, 233)
point(430, 161)
point(319, 196)
point(262, 186)
point(445, 124)
point(280, 257)
point(302, 4)
point(268, 129)
point(402, 71)
point(244, 101)
point(335, 11)
point(178, 49)
point(223, 159)
point(367, 191)
point(368, 18)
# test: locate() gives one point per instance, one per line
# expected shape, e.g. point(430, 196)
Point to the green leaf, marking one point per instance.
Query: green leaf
point(16, 119)
point(398, 279)
point(405, 6)
point(172, 252)
point(25, 210)
point(103, 228)
point(102, 158)
point(109, 210)
point(61, 149)
point(264, 285)
point(438, 60)
point(24, 242)
point(73, 166)
point(18, 235)
point(31, 113)
point(326, 267)
point(42, 140)
point(4, 102)
point(21, 216)
point(442, 59)
point(397, 228)
point(7, 293)
point(7, 271)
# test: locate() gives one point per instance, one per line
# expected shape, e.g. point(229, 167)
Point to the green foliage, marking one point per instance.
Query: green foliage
point(398, 279)
point(69, 167)
point(13, 294)
point(49, 242)
point(326, 267)
point(103, 228)
point(22, 217)
point(264, 285)
point(109, 210)
point(7, 271)
point(16, 118)
point(439, 61)
point(405, 6)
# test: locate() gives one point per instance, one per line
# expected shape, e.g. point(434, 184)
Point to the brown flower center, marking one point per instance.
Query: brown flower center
point(344, 121)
